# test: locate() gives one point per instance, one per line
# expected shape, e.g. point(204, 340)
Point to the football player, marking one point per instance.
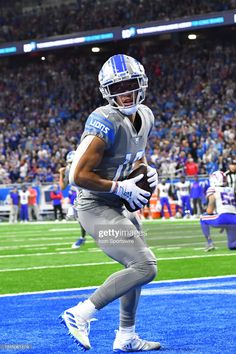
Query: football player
point(163, 191)
point(73, 195)
point(112, 145)
point(183, 188)
point(221, 210)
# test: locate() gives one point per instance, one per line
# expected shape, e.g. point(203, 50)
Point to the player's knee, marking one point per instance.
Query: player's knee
point(148, 271)
point(151, 272)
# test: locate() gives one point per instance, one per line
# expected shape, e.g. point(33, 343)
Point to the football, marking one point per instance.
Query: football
point(143, 183)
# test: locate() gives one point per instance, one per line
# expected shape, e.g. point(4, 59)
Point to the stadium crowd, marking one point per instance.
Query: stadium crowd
point(41, 21)
point(43, 106)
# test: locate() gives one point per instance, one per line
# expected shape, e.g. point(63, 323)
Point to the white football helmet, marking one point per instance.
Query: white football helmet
point(218, 179)
point(70, 156)
point(121, 75)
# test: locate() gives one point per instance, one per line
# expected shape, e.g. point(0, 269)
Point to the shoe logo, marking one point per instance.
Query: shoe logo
point(128, 346)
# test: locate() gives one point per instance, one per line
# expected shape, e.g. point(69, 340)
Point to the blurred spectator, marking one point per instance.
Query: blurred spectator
point(24, 199)
point(32, 204)
point(14, 205)
point(19, 22)
point(183, 188)
point(43, 106)
point(163, 192)
point(191, 167)
point(196, 194)
point(56, 197)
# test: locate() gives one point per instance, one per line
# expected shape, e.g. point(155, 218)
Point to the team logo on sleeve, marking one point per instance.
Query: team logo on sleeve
point(96, 124)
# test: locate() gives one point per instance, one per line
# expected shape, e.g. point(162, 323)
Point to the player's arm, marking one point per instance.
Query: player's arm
point(211, 204)
point(63, 183)
point(87, 158)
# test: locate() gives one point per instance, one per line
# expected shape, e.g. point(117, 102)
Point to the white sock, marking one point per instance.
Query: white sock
point(126, 332)
point(86, 310)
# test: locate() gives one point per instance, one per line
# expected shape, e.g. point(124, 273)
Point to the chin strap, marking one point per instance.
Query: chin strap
point(129, 111)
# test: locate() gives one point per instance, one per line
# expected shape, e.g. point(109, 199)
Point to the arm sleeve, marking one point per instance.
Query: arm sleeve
point(100, 126)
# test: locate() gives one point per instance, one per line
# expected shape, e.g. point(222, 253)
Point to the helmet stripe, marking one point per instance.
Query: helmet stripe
point(118, 64)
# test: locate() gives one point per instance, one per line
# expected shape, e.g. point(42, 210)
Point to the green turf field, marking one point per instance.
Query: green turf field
point(37, 257)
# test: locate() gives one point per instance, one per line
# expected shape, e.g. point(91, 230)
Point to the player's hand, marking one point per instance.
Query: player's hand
point(152, 177)
point(133, 194)
point(62, 170)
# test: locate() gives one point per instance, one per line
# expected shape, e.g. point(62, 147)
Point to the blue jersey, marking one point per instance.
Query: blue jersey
point(72, 194)
point(15, 198)
point(196, 190)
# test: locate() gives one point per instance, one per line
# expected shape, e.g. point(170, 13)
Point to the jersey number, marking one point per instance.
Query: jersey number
point(228, 199)
point(126, 164)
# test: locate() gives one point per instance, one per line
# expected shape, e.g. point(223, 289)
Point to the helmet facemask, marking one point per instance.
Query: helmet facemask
point(123, 86)
point(133, 90)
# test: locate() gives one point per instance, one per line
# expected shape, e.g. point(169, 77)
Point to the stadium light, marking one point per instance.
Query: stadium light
point(95, 49)
point(192, 36)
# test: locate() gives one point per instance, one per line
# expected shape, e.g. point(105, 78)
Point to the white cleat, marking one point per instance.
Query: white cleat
point(135, 344)
point(77, 326)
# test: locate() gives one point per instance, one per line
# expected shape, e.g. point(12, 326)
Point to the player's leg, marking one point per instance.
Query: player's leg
point(11, 214)
point(78, 243)
point(81, 240)
point(188, 205)
point(206, 222)
point(200, 205)
point(231, 235)
point(168, 207)
point(26, 213)
point(162, 201)
point(195, 200)
point(22, 213)
point(228, 222)
point(36, 211)
point(183, 206)
point(139, 261)
point(30, 212)
point(129, 301)
point(131, 251)
point(15, 213)
point(61, 212)
point(55, 212)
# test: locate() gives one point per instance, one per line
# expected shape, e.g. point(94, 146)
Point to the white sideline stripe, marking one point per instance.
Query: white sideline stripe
point(205, 288)
point(155, 221)
point(65, 229)
point(33, 245)
point(57, 266)
point(103, 263)
point(189, 292)
point(51, 291)
point(35, 223)
point(36, 238)
point(69, 250)
point(91, 241)
point(20, 233)
point(17, 239)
